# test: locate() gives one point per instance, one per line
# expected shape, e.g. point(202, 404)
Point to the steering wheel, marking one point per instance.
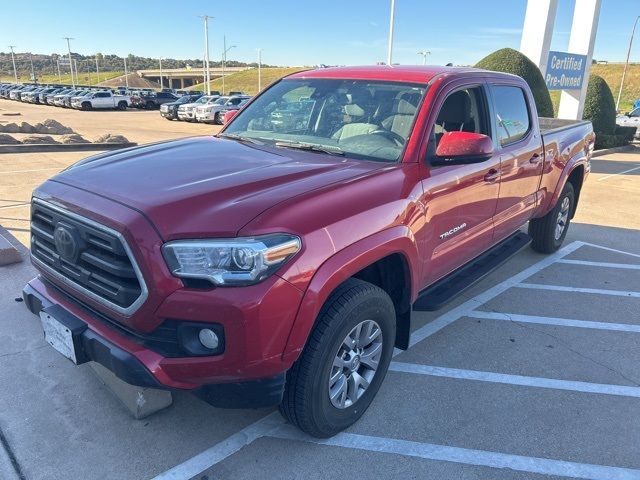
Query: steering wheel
point(393, 136)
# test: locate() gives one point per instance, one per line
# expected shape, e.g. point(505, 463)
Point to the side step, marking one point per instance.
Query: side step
point(446, 289)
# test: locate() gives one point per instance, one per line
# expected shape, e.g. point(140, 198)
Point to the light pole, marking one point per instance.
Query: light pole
point(126, 74)
point(58, 65)
point(73, 84)
point(259, 69)
point(224, 58)
point(391, 22)
point(161, 80)
point(97, 70)
point(207, 71)
point(33, 73)
point(424, 54)
point(13, 59)
point(626, 64)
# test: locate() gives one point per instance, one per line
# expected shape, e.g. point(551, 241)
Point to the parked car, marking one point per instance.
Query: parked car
point(630, 119)
point(100, 100)
point(67, 99)
point(42, 96)
point(170, 110)
point(50, 97)
point(210, 113)
point(270, 266)
point(186, 112)
point(152, 101)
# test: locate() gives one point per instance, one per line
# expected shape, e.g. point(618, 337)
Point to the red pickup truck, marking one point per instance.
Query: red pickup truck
point(279, 262)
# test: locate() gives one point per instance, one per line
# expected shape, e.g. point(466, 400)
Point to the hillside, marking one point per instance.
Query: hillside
point(135, 81)
point(84, 78)
point(247, 80)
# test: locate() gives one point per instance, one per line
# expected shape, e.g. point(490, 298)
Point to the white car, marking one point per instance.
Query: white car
point(211, 113)
point(187, 111)
point(631, 119)
point(100, 100)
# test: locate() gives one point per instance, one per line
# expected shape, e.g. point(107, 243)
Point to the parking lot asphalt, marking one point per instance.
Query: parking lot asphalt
point(531, 374)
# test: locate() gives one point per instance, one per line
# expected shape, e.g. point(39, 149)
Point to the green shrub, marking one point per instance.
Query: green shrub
point(599, 107)
point(627, 132)
point(511, 61)
point(605, 140)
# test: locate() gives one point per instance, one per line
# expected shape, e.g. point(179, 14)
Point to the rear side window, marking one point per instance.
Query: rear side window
point(512, 113)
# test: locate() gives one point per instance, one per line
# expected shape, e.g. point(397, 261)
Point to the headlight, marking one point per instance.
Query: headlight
point(229, 262)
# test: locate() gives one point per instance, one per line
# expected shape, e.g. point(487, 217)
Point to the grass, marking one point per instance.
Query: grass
point(612, 74)
point(247, 80)
point(84, 78)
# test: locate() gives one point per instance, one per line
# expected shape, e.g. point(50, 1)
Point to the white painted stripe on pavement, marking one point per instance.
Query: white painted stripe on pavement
point(521, 380)
point(629, 266)
point(561, 322)
point(562, 288)
point(222, 450)
point(619, 173)
point(609, 249)
point(466, 456)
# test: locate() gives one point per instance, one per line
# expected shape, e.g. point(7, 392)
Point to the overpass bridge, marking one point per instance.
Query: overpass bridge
point(185, 77)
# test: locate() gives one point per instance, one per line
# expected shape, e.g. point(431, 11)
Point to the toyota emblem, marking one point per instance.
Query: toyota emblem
point(67, 244)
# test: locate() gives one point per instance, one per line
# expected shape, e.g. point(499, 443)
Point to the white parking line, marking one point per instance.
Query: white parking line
point(222, 450)
point(609, 249)
point(521, 380)
point(619, 173)
point(561, 322)
point(464, 456)
point(628, 266)
point(562, 288)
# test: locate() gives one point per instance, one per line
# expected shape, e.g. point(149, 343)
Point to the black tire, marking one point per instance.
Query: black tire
point(150, 105)
point(86, 106)
point(543, 230)
point(306, 401)
point(122, 105)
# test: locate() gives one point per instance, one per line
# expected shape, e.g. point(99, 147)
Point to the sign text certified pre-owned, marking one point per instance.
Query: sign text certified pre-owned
point(565, 71)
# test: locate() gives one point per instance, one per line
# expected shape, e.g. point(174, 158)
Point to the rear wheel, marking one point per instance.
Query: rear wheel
point(549, 232)
point(344, 362)
point(122, 105)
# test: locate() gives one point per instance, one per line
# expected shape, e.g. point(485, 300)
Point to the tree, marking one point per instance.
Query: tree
point(511, 61)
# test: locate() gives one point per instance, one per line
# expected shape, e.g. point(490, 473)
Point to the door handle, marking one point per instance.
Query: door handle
point(492, 176)
point(535, 159)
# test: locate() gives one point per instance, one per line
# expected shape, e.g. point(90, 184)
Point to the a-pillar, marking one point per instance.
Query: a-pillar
point(583, 37)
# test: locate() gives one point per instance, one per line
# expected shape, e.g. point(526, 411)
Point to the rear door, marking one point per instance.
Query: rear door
point(520, 151)
point(460, 200)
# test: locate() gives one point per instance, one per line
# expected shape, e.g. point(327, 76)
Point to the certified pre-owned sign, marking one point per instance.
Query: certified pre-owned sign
point(565, 71)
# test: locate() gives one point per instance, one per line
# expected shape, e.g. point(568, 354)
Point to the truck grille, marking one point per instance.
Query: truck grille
point(87, 256)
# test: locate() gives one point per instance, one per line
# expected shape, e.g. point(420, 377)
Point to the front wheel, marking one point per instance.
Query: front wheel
point(344, 362)
point(549, 232)
point(122, 105)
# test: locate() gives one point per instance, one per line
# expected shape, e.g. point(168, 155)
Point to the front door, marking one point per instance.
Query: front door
point(521, 158)
point(460, 200)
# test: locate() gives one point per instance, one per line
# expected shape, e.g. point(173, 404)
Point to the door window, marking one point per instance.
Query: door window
point(463, 111)
point(512, 114)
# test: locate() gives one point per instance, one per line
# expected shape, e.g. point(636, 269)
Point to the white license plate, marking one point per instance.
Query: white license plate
point(58, 336)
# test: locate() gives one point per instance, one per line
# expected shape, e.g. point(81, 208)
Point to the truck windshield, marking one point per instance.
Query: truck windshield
point(356, 118)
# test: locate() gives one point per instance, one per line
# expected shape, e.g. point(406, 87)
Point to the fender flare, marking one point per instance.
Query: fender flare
point(577, 160)
point(343, 265)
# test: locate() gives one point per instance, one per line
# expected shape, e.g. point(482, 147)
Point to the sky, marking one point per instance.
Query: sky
point(301, 32)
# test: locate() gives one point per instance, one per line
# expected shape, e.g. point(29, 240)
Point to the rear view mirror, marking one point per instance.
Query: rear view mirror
point(228, 116)
point(458, 148)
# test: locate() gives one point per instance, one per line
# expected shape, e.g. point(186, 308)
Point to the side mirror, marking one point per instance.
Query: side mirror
point(459, 148)
point(228, 116)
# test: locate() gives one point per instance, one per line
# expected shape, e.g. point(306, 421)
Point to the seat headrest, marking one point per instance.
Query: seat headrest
point(456, 108)
point(407, 104)
point(353, 110)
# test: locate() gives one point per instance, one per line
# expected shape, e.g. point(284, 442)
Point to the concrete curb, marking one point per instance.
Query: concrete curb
point(63, 147)
point(8, 253)
point(139, 401)
point(607, 151)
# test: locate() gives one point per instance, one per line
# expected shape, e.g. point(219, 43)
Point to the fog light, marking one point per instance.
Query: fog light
point(208, 338)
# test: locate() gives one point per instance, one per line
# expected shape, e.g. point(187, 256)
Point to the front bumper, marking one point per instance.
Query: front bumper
point(168, 113)
point(206, 116)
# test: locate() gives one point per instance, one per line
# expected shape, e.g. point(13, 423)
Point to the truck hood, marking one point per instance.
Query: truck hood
point(207, 186)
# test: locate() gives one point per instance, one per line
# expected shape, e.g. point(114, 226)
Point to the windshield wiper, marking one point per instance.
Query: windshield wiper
point(233, 136)
point(311, 147)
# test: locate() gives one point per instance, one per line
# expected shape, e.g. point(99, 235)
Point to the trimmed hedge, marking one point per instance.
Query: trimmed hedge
point(599, 106)
point(511, 61)
point(627, 132)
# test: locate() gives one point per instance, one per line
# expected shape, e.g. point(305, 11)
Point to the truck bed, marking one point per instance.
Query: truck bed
point(553, 125)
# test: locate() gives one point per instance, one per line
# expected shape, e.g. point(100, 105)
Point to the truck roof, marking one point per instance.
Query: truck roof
point(397, 73)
